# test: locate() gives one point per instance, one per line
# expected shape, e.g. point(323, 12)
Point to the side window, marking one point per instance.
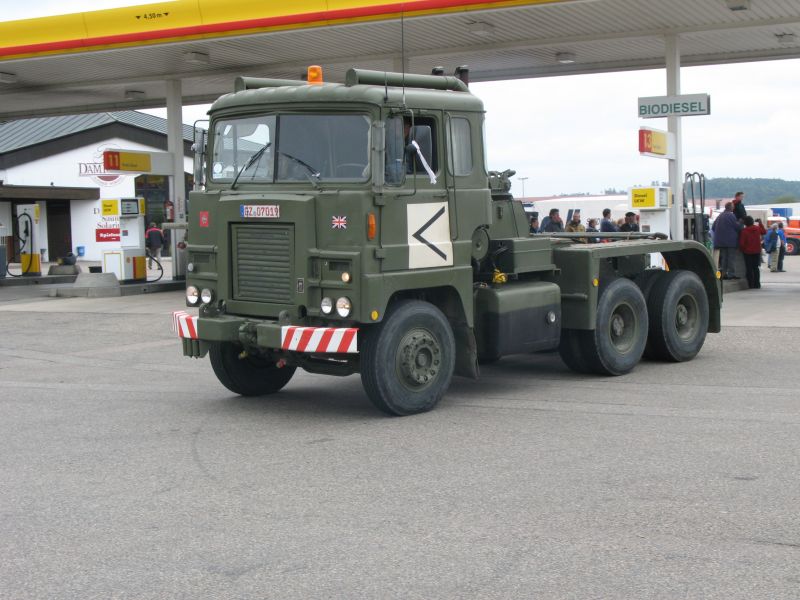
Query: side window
point(395, 170)
point(401, 158)
point(461, 141)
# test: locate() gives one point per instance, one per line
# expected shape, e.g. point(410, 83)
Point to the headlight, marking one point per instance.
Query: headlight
point(207, 296)
point(346, 277)
point(190, 267)
point(343, 306)
point(326, 306)
point(192, 295)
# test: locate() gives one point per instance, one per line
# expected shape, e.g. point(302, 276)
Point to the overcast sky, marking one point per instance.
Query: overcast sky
point(580, 133)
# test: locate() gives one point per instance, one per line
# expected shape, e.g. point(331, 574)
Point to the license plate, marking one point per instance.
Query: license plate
point(260, 211)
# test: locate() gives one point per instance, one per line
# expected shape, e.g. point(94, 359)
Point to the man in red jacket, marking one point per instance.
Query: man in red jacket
point(750, 245)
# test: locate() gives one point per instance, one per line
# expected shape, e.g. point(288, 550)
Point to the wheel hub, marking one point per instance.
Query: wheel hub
point(622, 327)
point(418, 358)
point(617, 325)
point(682, 315)
point(686, 317)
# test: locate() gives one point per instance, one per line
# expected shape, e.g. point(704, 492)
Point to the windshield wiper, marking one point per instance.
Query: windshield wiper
point(313, 174)
point(253, 158)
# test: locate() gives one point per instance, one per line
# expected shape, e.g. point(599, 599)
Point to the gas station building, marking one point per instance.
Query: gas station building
point(57, 163)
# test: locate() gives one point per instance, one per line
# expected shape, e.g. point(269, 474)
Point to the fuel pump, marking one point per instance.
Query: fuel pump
point(28, 234)
point(654, 204)
point(3, 261)
point(128, 263)
point(696, 224)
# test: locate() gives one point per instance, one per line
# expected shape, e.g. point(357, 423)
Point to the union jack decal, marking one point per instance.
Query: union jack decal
point(339, 222)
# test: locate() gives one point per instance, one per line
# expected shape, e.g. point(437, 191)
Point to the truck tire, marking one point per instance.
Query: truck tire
point(570, 348)
point(646, 280)
point(248, 376)
point(792, 246)
point(616, 344)
point(407, 361)
point(678, 316)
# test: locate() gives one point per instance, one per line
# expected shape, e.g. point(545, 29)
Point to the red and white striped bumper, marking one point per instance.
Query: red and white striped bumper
point(184, 324)
point(339, 340)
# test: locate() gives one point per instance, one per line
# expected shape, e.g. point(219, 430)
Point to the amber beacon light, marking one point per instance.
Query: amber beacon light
point(315, 75)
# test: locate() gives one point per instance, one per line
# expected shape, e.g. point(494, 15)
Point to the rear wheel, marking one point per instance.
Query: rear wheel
point(678, 316)
point(616, 344)
point(407, 361)
point(792, 246)
point(244, 374)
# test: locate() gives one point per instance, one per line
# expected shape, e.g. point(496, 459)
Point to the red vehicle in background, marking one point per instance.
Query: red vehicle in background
point(792, 230)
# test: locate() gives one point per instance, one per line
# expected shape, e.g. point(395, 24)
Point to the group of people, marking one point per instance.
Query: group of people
point(553, 223)
point(735, 230)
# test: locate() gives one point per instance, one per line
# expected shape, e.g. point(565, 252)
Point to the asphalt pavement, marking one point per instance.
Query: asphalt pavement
point(128, 471)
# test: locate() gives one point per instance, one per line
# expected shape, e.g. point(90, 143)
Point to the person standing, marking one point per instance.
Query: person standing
point(575, 225)
point(726, 238)
point(750, 245)
point(554, 224)
point(606, 224)
point(782, 250)
point(630, 225)
point(738, 206)
point(591, 227)
point(154, 240)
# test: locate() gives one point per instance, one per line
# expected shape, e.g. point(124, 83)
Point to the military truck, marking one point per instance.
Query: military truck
point(354, 228)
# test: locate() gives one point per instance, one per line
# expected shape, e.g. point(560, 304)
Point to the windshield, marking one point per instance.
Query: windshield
point(285, 148)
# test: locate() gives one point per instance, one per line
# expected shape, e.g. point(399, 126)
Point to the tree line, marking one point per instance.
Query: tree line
point(757, 190)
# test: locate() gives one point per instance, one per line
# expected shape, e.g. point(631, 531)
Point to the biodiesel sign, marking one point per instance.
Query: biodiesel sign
point(689, 105)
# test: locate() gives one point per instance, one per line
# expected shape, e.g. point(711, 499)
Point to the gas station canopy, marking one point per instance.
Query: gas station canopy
point(121, 58)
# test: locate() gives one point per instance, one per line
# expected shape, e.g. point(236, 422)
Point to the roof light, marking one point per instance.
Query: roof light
point(196, 58)
point(134, 95)
point(738, 4)
point(8, 78)
point(786, 39)
point(481, 29)
point(565, 58)
point(315, 75)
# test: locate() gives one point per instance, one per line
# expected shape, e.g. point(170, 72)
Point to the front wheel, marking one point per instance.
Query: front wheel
point(244, 374)
point(407, 361)
point(792, 246)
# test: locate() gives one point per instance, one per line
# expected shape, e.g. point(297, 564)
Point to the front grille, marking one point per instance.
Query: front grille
point(263, 265)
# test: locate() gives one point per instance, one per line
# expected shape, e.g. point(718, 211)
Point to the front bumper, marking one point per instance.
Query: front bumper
point(196, 332)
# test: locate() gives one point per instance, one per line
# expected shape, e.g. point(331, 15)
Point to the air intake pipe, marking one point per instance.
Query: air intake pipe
point(432, 82)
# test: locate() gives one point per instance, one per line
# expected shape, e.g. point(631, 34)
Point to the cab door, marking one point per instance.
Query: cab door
point(416, 212)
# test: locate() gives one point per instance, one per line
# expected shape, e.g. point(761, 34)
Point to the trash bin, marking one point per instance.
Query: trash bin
point(81, 251)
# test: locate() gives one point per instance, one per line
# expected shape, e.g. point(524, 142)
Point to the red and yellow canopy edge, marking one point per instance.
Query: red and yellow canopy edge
point(196, 19)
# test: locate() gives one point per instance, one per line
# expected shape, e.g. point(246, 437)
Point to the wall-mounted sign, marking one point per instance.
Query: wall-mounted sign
point(107, 235)
point(688, 105)
point(656, 143)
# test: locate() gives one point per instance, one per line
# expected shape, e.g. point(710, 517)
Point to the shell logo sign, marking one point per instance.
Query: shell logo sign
point(160, 22)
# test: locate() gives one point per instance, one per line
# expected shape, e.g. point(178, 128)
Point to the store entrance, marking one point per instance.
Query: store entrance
point(159, 208)
point(59, 229)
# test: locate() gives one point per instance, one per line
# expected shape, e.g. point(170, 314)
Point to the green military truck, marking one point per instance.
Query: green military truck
point(354, 228)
